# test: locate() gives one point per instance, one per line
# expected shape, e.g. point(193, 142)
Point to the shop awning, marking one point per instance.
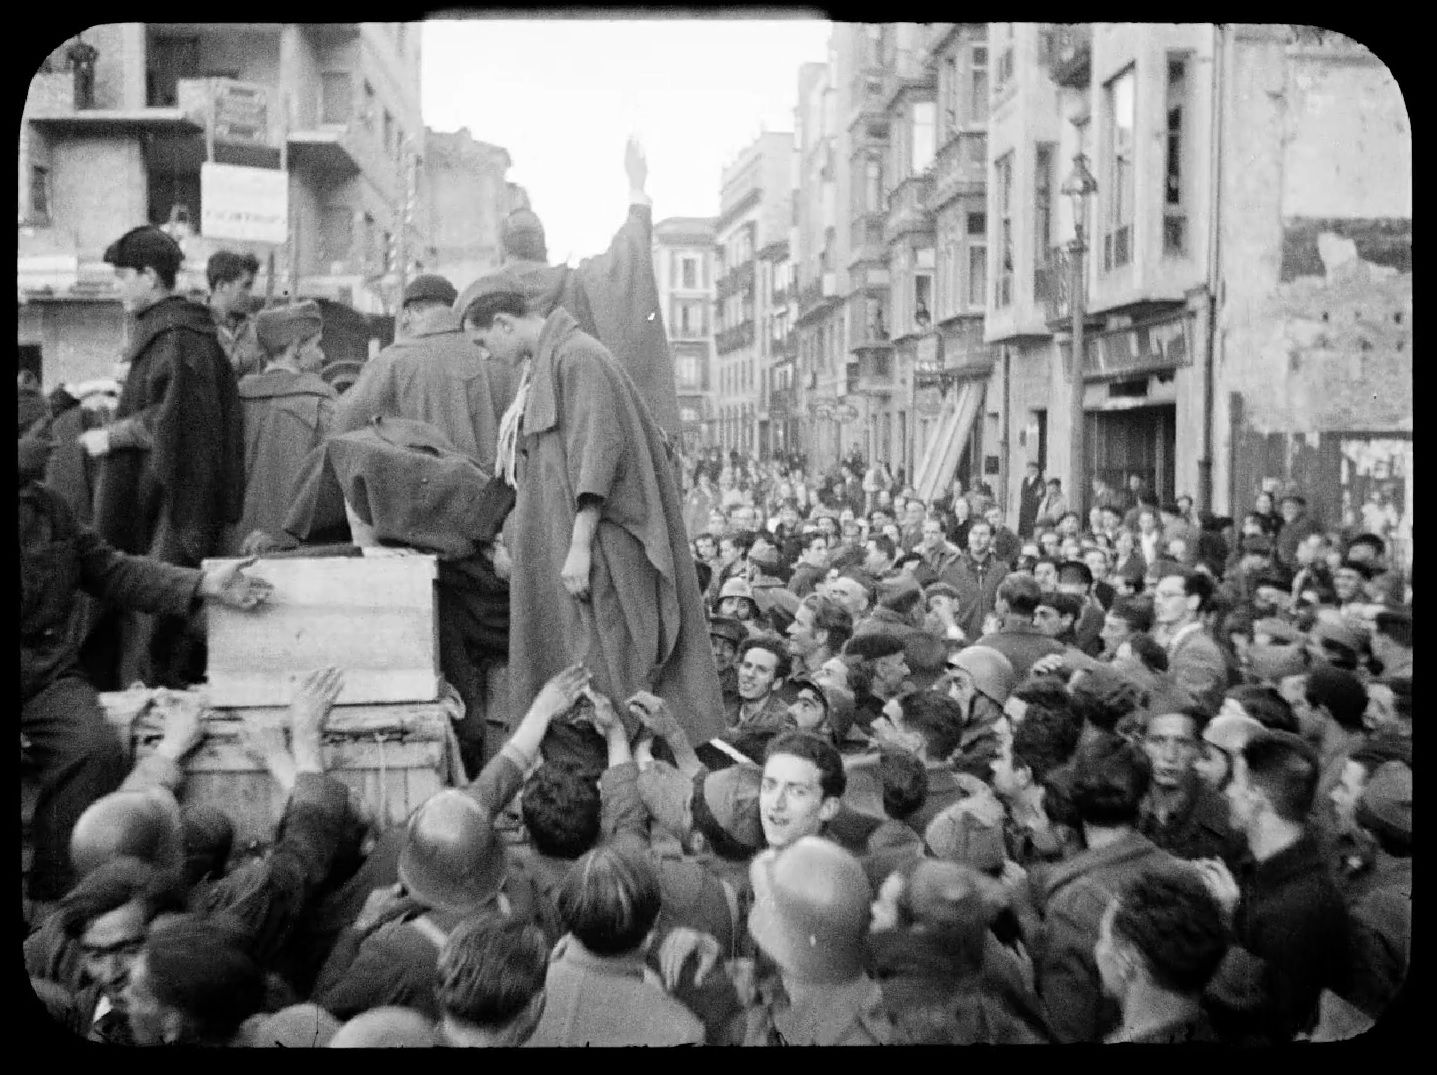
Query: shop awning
point(940, 461)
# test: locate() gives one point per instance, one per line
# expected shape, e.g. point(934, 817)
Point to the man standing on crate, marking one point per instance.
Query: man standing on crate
point(76, 754)
point(602, 572)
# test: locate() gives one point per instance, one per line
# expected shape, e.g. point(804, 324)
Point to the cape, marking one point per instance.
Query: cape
point(586, 431)
point(286, 416)
point(614, 298)
point(190, 484)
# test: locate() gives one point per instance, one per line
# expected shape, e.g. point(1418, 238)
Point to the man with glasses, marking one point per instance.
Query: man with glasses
point(1181, 813)
point(1195, 662)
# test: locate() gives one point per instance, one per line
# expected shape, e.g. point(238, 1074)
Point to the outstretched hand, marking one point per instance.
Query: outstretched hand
point(314, 697)
point(228, 584)
point(636, 166)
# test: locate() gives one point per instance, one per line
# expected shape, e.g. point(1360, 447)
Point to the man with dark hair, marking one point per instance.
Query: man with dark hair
point(605, 576)
point(1110, 780)
point(937, 554)
point(1392, 642)
point(1127, 617)
point(231, 280)
point(1339, 701)
point(1289, 925)
point(1296, 525)
point(1076, 578)
point(173, 474)
point(812, 564)
point(802, 787)
point(1161, 941)
point(431, 373)
point(976, 576)
point(880, 553)
point(1018, 638)
point(1030, 498)
point(194, 983)
point(612, 296)
point(560, 806)
point(1195, 661)
point(761, 711)
point(1043, 741)
point(1056, 615)
point(929, 726)
point(491, 983)
point(1181, 814)
point(819, 631)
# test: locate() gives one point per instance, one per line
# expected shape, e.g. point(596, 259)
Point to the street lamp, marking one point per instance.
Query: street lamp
point(1080, 186)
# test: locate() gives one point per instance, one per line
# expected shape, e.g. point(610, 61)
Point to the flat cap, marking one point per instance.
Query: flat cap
point(145, 247)
point(728, 628)
point(279, 326)
point(430, 288)
point(502, 282)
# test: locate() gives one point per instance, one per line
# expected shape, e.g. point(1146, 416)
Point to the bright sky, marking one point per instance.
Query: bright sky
point(563, 96)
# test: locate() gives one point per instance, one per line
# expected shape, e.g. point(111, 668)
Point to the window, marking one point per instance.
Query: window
point(337, 234)
point(873, 185)
point(1042, 208)
point(673, 270)
point(1119, 109)
point(924, 133)
point(977, 274)
point(368, 115)
point(978, 97)
point(948, 91)
point(977, 223)
point(691, 273)
point(1174, 211)
point(1003, 175)
point(1005, 68)
point(336, 90)
point(39, 192)
point(922, 298)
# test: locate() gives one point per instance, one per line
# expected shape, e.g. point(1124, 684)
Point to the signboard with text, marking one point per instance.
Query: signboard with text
point(241, 113)
point(249, 204)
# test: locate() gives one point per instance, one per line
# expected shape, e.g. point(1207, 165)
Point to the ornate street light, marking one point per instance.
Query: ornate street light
point(1080, 186)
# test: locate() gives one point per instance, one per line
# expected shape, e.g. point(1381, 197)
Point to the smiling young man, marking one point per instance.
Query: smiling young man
point(760, 712)
point(819, 630)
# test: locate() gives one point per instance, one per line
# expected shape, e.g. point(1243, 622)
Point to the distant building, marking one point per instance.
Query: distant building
point(684, 255)
point(337, 102)
point(464, 200)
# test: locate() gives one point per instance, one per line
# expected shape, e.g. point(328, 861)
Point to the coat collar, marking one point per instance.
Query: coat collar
point(572, 951)
point(542, 412)
point(279, 382)
point(438, 323)
point(1132, 845)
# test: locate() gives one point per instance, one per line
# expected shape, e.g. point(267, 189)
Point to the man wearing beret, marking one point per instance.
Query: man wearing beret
point(602, 571)
point(173, 474)
point(433, 374)
point(288, 411)
point(613, 296)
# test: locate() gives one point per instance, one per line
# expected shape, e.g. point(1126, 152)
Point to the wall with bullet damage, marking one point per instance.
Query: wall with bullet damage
point(1314, 343)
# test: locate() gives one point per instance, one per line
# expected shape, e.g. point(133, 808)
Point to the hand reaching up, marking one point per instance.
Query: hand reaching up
point(314, 697)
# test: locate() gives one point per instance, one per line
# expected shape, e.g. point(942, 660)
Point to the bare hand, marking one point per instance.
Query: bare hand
point(653, 713)
point(575, 573)
point(381, 905)
point(228, 584)
point(96, 442)
point(1220, 882)
point(605, 719)
point(314, 696)
point(560, 693)
point(502, 562)
point(1053, 662)
point(676, 949)
point(636, 166)
point(184, 726)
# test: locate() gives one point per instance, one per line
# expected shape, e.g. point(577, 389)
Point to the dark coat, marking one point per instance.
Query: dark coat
point(1023, 645)
point(173, 493)
point(977, 586)
point(1199, 829)
point(1382, 935)
point(58, 558)
point(1290, 941)
point(1030, 496)
point(1074, 898)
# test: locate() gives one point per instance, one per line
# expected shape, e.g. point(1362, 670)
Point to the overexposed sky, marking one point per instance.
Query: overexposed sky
point(562, 97)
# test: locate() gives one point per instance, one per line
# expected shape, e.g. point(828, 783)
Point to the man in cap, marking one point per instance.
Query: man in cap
point(612, 297)
point(606, 577)
point(432, 373)
point(173, 476)
point(726, 635)
point(76, 752)
point(288, 411)
point(231, 279)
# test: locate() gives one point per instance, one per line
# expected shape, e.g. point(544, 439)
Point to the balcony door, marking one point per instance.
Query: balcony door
point(170, 59)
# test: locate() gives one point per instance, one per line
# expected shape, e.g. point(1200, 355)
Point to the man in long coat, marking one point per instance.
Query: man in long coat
point(602, 573)
point(433, 374)
point(612, 296)
point(173, 475)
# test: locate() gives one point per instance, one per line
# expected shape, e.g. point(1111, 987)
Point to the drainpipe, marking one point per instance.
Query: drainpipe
point(1214, 265)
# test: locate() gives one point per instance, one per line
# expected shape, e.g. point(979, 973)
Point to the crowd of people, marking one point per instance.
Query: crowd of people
point(903, 772)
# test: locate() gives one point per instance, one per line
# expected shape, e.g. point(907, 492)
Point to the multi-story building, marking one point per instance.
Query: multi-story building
point(335, 104)
point(778, 349)
point(684, 269)
point(463, 199)
point(1228, 231)
point(755, 209)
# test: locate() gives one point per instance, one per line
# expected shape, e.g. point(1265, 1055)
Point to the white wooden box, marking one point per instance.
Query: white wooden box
point(374, 618)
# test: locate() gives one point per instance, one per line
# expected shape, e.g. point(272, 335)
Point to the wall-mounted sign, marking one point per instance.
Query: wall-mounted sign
point(250, 204)
point(241, 113)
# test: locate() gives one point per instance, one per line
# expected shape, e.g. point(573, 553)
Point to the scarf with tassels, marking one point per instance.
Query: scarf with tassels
point(506, 461)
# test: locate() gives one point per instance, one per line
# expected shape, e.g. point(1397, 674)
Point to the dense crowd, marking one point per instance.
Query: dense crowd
point(1123, 777)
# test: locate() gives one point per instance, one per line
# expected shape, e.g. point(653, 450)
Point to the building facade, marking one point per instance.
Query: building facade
point(684, 257)
point(336, 105)
point(463, 200)
point(755, 210)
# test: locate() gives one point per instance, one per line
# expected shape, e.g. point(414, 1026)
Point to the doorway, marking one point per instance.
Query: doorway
point(1138, 440)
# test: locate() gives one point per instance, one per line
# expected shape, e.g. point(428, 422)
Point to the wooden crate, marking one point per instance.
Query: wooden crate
point(375, 619)
point(391, 757)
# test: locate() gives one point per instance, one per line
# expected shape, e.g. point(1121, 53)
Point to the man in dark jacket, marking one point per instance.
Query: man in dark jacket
point(976, 576)
point(1181, 813)
point(1030, 495)
point(76, 752)
point(1290, 929)
point(1296, 525)
point(173, 476)
point(1017, 639)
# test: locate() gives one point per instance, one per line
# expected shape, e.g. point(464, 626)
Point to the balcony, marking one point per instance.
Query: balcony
point(867, 322)
point(960, 168)
point(51, 104)
point(1072, 55)
point(739, 278)
point(908, 207)
point(872, 374)
point(866, 239)
point(741, 335)
point(818, 292)
point(869, 93)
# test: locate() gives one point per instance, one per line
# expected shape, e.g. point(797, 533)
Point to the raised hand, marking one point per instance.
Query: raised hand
point(314, 697)
point(636, 166)
point(678, 947)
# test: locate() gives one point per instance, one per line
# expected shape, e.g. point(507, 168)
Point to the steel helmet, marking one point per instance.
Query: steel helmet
point(992, 672)
point(143, 824)
point(452, 859)
point(811, 912)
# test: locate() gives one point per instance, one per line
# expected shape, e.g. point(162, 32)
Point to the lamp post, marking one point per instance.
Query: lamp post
point(1080, 186)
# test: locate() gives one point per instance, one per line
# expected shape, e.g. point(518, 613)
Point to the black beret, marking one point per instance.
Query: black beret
point(145, 247)
point(874, 645)
point(430, 288)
